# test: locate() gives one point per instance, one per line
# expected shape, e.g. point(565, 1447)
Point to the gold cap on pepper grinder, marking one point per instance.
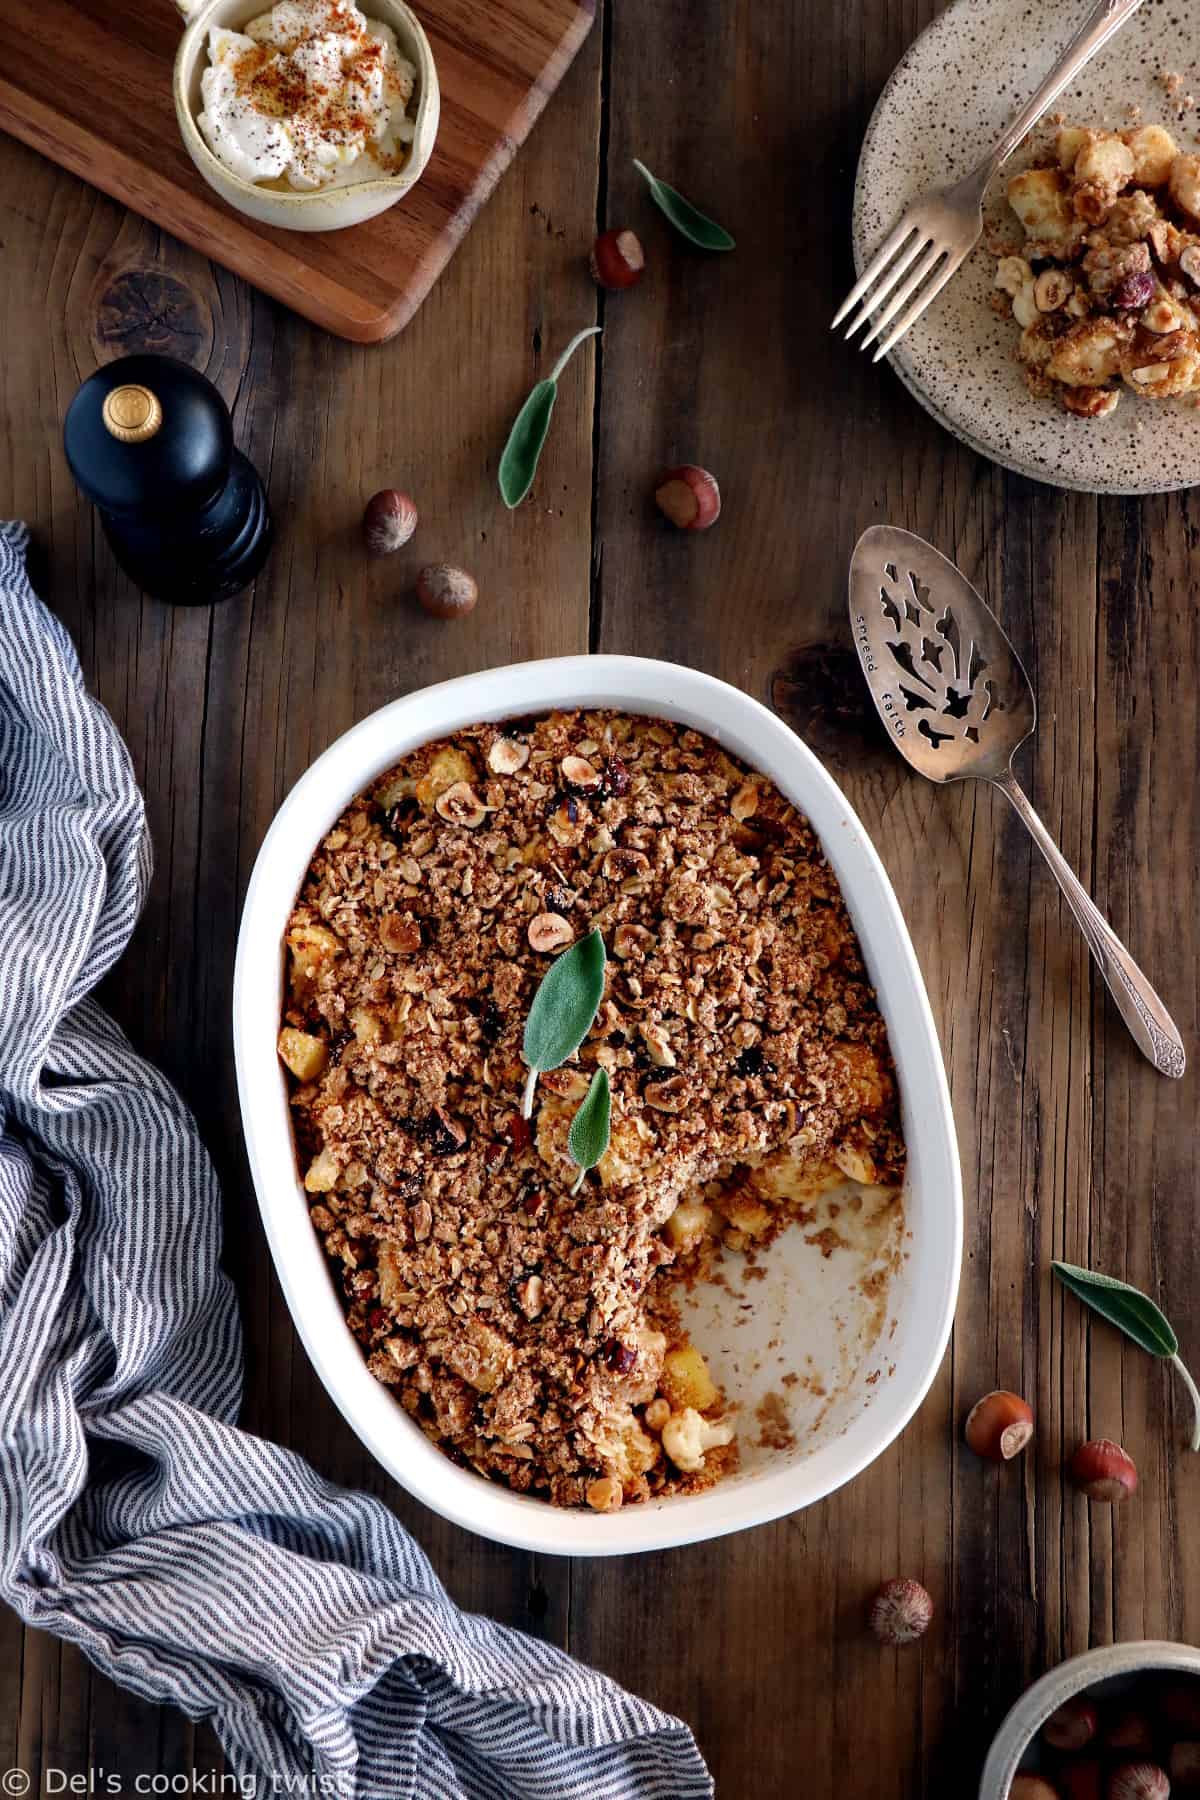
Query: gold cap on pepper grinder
point(132, 414)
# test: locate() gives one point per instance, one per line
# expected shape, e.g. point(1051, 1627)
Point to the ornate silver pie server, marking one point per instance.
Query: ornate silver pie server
point(958, 705)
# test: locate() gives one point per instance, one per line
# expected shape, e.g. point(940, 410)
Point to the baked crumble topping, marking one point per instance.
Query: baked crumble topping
point(533, 1334)
point(1106, 286)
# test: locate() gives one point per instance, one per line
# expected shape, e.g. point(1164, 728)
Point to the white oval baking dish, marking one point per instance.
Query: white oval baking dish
point(888, 1385)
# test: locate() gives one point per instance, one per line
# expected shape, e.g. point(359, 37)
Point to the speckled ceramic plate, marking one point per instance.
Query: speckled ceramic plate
point(942, 110)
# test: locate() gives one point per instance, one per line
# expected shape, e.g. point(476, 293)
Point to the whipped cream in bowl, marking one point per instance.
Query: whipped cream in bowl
point(311, 114)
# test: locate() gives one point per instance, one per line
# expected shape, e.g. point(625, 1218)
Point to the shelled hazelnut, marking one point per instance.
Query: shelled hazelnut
point(1103, 1472)
point(900, 1611)
point(617, 260)
point(999, 1426)
point(389, 520)
point(689, 497)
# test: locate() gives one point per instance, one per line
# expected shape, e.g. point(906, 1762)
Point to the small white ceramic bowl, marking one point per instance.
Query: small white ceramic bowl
point(882, 1389)
point(1013, 1749)
point(323, 209)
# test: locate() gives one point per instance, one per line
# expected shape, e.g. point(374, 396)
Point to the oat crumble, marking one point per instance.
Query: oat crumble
point(532, 1334)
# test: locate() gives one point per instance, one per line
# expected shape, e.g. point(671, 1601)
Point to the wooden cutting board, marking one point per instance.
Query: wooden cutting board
point(88, 83)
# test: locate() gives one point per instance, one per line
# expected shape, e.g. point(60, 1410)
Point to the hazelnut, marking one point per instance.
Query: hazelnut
point(400, 934)
point(459, 804)
point(900, 1612)
point(578, 772)
point(389, 520)
point(657, 1414)
point(549, 932)
point(1052, 289)
point(617, 260)
point(1102, 1471)
point(529, 1296)
point(1179, 1704)
point(1072, 1727)
point(1138, 1781)
point(1031, 1787)
point(999, 1426)
point(506, 756)
point(689, 497)
point(1082, 1779)
point(1161, 316)
point(446, 593)
point(1183, 1766)
point(1189, 263)
point(1129, 1731)
point(1091, 402)
point(605, 1495)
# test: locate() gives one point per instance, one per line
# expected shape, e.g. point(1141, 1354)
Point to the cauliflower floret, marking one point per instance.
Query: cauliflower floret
point(1169, 368)
point(687, 1437)
point(1041, 201)
point(1068, 144)
point(1012, 273)
point(1089, 354)
point(1154, 150)
point(1185, 185)
point(1103, 167)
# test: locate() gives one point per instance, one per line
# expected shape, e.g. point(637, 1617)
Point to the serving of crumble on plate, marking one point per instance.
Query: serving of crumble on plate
point(538, 1336)
point(1050, 413)
point(1106, 281)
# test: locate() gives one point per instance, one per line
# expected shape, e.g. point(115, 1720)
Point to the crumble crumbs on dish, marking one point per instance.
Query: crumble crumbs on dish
point(532, 1333)
point(1106, 288)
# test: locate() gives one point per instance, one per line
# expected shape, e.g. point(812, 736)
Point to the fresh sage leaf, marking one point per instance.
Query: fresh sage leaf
point(563, 1010)
point(687, 219)
point(588, 1137)
point(519, 461)
point(1136, 1315)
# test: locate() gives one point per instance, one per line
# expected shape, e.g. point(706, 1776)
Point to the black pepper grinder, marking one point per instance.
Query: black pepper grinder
point(150, 442)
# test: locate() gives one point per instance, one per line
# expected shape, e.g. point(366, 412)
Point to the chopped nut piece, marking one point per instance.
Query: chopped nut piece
point(578, 772)
point(400, 933)
point(550, 932)
point(506, 756)
point(322, 1173)
point(1052, 289)
point(658, 1046)
point(605, 1495)
point(461, 805)
point(744, 804)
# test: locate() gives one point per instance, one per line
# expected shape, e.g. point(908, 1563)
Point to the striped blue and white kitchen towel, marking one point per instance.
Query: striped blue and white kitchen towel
point(192, 1562)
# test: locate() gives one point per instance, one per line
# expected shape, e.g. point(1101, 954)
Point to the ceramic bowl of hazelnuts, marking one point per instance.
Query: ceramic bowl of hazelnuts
point(1121, 1723)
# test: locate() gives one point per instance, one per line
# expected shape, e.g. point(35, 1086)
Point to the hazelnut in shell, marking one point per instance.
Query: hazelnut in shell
point(689, 497)
point(445, 592)
point(617, 260)
point(389, 520)
point(900, 1611)
point(999, 1426)
point(1103, 1472)
point(1139, 1781)
point(1072, 1727)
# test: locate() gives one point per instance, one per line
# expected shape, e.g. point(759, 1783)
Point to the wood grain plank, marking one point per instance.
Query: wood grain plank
point(497, 67)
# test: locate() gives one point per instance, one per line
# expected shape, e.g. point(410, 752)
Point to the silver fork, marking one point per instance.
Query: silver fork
point(940, 230)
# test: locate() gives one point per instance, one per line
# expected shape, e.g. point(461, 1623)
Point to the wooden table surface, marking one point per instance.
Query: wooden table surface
point(1071, 1146)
